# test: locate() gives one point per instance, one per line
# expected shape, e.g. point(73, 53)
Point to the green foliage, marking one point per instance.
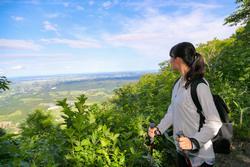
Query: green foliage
point(165, 151)
point(241, 15)
point(150, 96)
point(137, 105)
point(9, 149)
point(4, 83)
point(37, 123)
point(2, 132)
point(41, 141)
point(89, 143)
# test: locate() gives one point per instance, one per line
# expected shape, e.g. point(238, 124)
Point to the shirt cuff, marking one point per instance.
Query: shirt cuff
point(158, 132)
point(195, 145)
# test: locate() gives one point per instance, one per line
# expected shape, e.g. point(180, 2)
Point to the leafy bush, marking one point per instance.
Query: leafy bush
point(89, 143)
point(41, 141)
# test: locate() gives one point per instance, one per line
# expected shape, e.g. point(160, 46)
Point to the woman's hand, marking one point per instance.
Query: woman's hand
point(151, 132)
point(185, 143)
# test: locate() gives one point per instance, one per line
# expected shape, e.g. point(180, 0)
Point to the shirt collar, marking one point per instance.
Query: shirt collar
point(182, 81)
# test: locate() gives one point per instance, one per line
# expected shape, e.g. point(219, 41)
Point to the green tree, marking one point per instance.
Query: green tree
point(241, 15)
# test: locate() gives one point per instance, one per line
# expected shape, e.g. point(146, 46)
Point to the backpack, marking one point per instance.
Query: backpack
point(222, 141)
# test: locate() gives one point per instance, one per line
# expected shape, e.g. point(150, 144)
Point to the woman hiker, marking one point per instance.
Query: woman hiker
point(194, 147)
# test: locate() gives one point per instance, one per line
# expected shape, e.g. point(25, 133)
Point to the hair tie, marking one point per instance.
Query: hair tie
point(196, 55)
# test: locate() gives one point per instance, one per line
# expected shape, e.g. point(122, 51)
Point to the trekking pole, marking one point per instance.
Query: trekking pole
point(181, 134)
point(152, 125)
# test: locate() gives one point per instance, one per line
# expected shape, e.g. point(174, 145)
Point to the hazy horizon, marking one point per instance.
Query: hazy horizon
point(83, 73)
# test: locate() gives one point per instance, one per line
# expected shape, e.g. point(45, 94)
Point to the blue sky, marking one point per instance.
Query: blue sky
point(46, 37)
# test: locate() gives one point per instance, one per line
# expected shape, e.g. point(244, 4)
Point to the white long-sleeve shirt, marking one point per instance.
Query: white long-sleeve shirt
point(182, 114)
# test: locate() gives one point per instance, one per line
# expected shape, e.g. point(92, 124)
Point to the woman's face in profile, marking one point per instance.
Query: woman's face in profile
point(173, 63)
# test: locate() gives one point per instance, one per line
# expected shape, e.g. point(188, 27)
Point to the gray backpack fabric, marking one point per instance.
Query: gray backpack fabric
point(222, 141)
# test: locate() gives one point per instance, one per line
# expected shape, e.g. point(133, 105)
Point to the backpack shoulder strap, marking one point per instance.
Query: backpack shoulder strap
point(195, 99)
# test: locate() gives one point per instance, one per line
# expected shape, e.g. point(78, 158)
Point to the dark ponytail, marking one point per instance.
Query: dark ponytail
point(186, 51)
point(197, 69)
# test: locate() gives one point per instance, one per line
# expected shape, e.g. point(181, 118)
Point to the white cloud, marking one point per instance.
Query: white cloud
point(68, 67)
point(66, 4)
point(73, 43)
point(52, 15)
point(147, 4)
point(18, 67)
point(19, 44)
point(78, 7)
point(50, 27)
point(195, 5)
point(17, 18)
point(91, 3)
point(35, 55)
point(107, 5)
point(156, 33)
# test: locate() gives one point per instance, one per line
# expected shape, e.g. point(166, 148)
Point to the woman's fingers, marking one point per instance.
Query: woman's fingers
point(151, 132)
point(185, 143)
